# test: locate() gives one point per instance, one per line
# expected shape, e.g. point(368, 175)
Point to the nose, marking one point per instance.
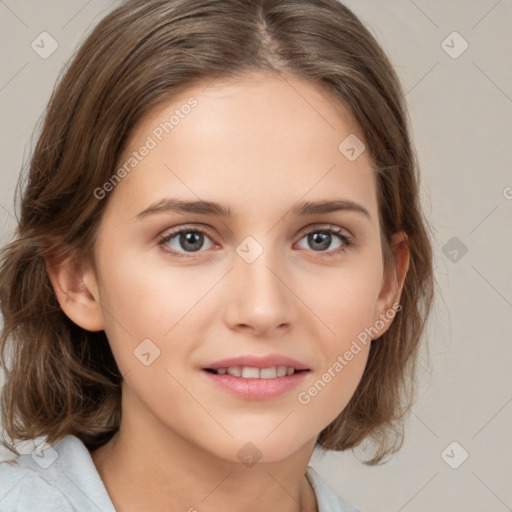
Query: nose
point(261, 299)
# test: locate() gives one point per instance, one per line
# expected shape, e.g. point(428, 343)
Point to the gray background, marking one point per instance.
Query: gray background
point(461, 111)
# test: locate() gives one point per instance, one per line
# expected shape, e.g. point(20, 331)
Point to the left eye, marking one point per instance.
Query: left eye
point(321, 240)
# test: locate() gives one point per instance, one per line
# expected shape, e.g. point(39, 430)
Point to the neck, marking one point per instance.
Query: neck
point(145, 466)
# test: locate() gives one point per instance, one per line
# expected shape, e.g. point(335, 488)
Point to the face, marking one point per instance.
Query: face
point(195, 302)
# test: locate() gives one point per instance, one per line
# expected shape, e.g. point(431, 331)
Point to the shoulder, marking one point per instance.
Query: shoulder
point(23, 488)
point(58, 478)
point(328, 500)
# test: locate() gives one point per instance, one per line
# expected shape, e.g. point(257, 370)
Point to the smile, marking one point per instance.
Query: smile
point(248, 372)
point(249, 383)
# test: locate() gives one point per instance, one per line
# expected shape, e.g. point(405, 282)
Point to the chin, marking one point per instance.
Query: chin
point(260, 447)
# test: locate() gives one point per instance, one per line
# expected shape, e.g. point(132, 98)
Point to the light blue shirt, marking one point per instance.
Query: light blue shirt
point(63, 478)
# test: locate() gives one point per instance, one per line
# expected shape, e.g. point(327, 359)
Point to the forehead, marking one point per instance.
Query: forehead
point(251, 142)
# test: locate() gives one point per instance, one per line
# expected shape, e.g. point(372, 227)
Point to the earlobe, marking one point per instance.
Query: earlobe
point(393, 281)
point(77, 292)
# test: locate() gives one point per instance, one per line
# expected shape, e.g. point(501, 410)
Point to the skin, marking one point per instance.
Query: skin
point(258, 145)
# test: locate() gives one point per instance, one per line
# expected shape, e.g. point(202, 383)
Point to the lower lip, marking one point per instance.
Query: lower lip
point(256, 389)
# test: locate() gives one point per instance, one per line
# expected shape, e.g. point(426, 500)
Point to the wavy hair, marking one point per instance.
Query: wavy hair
point(61, 379)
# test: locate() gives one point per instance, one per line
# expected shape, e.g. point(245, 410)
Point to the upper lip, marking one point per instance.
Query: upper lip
point(258, 362)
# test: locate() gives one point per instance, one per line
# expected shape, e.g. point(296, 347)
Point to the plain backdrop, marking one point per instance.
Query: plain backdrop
point(454, 59)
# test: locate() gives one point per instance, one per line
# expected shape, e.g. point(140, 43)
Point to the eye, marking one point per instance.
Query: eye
point(188, 239)
point(185, 239)
point(322, 237)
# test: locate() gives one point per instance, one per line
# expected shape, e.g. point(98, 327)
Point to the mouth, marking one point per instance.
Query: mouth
point(256, 378)
point(249, 372)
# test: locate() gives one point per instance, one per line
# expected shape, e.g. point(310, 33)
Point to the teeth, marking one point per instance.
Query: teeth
point(282, 371)
point(268, 373)
point(250, 373)
point(236, 371)
point(247, 372)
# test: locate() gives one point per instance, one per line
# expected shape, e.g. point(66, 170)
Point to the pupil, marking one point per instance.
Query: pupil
point(322, 238)
point(190, 239)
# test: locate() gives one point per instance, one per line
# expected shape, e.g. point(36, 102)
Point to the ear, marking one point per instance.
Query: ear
point(392, 283)
point(76, 288)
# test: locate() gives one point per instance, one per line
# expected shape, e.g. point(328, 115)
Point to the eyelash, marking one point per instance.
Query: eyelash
point(348, 241)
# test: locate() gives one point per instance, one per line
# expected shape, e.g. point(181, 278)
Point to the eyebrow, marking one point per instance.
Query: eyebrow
point(302, 209)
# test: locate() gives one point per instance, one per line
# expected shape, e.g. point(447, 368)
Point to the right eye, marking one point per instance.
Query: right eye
point(186, 240)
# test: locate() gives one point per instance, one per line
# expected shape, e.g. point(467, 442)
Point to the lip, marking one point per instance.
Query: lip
point(258, 362)
point(255, 389)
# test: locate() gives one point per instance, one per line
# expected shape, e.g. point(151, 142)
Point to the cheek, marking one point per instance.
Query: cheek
point(143, 298)
point(328, 394)
point(345, 304)
point(344, 300)
point(137, 292)
point(343, 351)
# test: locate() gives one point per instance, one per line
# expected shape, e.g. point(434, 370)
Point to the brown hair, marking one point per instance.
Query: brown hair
point(63, 379)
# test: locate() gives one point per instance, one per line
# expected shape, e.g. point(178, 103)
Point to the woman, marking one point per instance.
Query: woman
point(221, 263)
